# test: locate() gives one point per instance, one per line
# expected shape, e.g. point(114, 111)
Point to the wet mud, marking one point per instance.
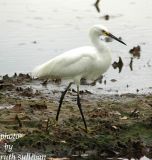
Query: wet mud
point(118, 125)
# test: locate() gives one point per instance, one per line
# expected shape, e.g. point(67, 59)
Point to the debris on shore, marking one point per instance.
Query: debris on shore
point(135, 51)
point(96, 4)
point(131, 64)
point(118, 64)
point(118, 125)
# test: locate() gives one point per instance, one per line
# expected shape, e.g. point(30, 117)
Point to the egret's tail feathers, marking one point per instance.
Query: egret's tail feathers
point(36, 72)
point(39, 72)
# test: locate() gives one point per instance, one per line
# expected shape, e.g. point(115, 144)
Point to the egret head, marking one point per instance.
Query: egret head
point(101, 30)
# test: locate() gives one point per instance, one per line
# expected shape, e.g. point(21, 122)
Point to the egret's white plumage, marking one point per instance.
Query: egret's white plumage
point(87, 62)
point(84, 62)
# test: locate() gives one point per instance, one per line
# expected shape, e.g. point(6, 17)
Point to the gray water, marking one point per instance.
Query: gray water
point(33, 31)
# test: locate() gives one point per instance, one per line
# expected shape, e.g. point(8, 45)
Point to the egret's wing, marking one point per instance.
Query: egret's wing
point(68, 64)
point(72, 67)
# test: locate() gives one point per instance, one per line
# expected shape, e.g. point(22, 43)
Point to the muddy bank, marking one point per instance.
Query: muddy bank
point(118, 125)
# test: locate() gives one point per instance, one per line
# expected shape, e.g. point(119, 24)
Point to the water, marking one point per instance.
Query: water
point(34, 31)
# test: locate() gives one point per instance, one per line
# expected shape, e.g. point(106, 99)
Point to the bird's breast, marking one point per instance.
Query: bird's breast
point(98, 67)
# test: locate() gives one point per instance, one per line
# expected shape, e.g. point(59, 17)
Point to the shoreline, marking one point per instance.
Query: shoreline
point(118, 125)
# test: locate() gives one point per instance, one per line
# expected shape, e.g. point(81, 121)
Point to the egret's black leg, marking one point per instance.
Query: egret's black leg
point(79, 105)
point(61, 100)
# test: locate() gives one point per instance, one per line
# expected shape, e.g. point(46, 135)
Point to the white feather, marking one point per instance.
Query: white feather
point(84, 62)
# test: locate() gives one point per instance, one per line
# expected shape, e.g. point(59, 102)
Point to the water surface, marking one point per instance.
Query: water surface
point(33, 31)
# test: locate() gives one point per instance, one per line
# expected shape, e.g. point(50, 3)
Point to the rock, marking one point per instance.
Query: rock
point(118, 64)
point(106, 17)
point(113, 80)
point(135, 51)
point(7, 86)
point(97, 5)
point(38, 106)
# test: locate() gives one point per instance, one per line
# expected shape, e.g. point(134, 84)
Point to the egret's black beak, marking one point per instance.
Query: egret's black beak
point(117, 39)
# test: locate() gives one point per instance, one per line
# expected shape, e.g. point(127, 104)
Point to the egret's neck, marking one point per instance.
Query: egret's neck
point(97, 42)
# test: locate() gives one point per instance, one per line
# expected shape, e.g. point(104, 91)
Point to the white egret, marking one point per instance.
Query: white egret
point(87, 62)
